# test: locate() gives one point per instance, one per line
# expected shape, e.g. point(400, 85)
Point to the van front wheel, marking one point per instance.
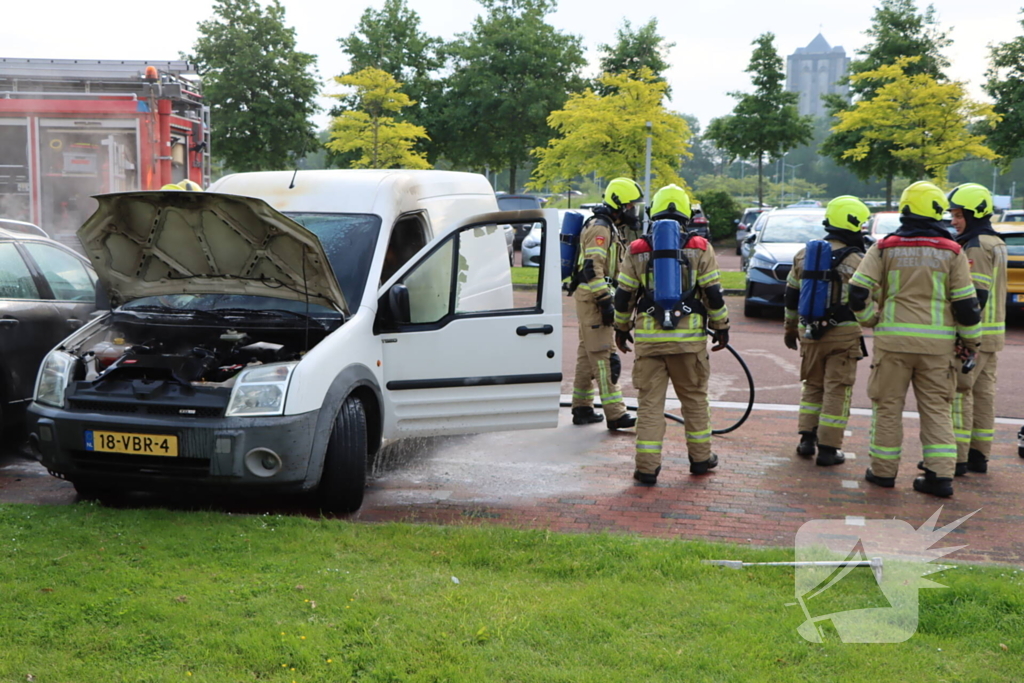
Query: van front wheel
point(344, 477)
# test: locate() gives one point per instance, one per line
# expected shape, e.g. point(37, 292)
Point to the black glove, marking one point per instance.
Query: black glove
point(720, 338)
point(621, 339)
point(607, 311)
point(790, 340)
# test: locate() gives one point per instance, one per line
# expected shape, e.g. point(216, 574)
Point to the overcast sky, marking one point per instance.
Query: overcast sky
point(712, 37)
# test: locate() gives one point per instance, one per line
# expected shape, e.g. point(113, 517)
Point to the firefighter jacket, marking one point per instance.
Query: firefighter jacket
point(915, 282)
point(986, 254)
point(846, 330)
point(636, 280)
point(598, 258)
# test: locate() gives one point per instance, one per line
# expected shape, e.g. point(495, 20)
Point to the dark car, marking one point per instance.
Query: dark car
point(783, 233)
point(520, 202)
point(46, 292)
point(699, 223)
point(745, 223)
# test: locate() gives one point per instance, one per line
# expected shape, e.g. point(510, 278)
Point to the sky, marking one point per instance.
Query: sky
point(708, 61)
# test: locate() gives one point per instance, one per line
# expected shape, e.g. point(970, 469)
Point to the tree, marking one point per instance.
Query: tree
point(608, 135)
point(366, 129)
point(919, 120)
point(390, 39)
point(721, 210)
point(765, 121)
point(260, 88)
point(1006, 86)
point(510, 71)
point(897, 30)
point(635, 50)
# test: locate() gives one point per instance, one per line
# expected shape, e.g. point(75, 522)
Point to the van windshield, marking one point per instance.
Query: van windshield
point(349, 241)
point(510, 203)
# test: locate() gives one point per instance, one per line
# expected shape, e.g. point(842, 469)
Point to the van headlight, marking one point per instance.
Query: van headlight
point(52, 381)
point(762, 262)
point(532, 240)
point(260, 390)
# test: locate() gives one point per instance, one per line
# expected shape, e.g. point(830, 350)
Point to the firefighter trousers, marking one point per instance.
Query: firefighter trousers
point(974, 408)
point(828, 371)
point(689, 374)
point(593, 361)
point(934, 383)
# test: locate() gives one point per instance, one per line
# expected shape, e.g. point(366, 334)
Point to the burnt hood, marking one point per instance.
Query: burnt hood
point(172, 242)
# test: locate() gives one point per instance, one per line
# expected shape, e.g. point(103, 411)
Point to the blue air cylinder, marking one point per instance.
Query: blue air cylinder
point(572, 226)
point(668, 285)
point(815, 283)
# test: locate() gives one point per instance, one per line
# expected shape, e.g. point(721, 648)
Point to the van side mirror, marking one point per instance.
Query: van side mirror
point(736, 221)
point(751, 238)
point(398, 304)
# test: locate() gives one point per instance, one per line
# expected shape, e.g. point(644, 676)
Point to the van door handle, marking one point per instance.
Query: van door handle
point(523, 330)
point(74, 323)
point(9, 322)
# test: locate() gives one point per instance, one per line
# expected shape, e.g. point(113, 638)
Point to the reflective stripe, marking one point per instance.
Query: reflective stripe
point(810, 408)
point(869, 312)
point(938, 298)
point(583, 394)
point(596, 251)
point(837, 421)
point(972, 332)
point(648, 446)
point(669, 336)
point(792, 281)
point(605, 384)
point(943, 450)
point(622, 318)
point(718, 314)
point(703, 436)
point(890, 303)
point(791, 314)
point(962, 435)
point(909, 330)
point(982, 279)
point(983, 434)
point(628, 281)
point(703, 280)
point(883, 452)
point(863, 280)
point(963, 293)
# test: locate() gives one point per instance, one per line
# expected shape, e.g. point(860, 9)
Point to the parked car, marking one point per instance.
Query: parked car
point(12, 225)
point(257, 350)
point(699, 222)
point(520, 202)
point(1013, 235)
point(885, 222)
point(531, 247)
point(805, 203)
point(744, 224)
point(46, 292)
point(783, 233)
point(1012, 216)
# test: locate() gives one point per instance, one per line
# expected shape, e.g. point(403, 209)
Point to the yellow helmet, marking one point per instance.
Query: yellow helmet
point(847, 213)
point(924, 200)
point(190, 186)
point(171, 186)
point(671, 199)
point(972, 197)
point(622, 191)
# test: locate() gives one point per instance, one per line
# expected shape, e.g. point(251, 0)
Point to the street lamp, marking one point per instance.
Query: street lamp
point(784, 167)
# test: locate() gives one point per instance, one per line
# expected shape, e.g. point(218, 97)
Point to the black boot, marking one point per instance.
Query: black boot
point(645, 478)
point(976, 461)
point(704, 466)
point(828, 456)
point(884, 482)
point(1020, 442)
point(808, 441)
point(585, 415)
point(961, 468)
point(937, 486)
point(625, 421)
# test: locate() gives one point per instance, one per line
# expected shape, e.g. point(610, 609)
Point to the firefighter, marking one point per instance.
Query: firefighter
point(600, 250)
point(974, 416)
point(678, 355)
point(914, 288)
point(830, 347)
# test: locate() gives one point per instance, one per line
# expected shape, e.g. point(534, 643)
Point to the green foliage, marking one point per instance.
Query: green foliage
point(1006, 86)
point(746, 188)
point(509, 72)
point(897, 30)
point(766, 121)
point(260, 88)
point(920, 121)
point(368, 130)
point(721, 210)
point(633, 51)
point(607, 135)
point(390, 39)
point(94, 595)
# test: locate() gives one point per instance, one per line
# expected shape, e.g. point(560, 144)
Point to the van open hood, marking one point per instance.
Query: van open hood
point(171, 242)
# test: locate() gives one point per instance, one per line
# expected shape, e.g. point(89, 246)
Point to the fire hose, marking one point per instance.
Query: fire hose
point(733, 427)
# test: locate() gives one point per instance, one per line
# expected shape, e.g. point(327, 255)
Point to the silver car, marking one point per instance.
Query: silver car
point(531, 243)
point(782, 233)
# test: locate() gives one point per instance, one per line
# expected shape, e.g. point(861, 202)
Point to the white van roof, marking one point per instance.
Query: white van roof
point(354, 191)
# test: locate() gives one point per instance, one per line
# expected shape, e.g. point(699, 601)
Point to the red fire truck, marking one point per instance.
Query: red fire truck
point(71, 129)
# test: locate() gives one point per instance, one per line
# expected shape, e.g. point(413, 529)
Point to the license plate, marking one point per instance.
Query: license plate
point(1018, 298)
point(133, 444)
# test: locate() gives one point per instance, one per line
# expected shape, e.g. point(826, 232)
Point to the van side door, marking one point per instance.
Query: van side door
point(464, 351)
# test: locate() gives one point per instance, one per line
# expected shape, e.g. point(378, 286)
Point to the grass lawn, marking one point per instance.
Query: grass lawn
point(93, 594)
point(522, 275)
point(732, 279)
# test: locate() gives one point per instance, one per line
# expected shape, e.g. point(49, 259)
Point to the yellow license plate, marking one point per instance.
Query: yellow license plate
point(134, 444)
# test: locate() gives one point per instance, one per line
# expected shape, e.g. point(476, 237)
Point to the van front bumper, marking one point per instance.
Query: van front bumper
point(219, 452)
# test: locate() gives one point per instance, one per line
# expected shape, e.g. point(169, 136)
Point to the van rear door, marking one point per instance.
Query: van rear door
point(464, 351)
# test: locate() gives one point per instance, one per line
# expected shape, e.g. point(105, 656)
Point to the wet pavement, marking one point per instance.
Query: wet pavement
point(578, 479)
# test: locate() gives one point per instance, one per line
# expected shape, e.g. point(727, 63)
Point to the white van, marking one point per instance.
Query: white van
point(272, 332)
